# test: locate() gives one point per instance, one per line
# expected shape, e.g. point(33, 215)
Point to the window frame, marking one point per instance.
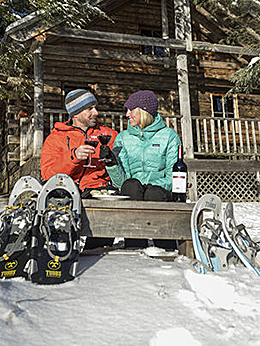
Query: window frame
point(153, 33)
point(234, 105)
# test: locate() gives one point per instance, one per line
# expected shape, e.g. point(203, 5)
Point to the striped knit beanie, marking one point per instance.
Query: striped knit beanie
point(144, 99)
point(78, 100)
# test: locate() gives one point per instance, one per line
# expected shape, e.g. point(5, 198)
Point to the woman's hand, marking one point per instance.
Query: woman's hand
point(107, 156)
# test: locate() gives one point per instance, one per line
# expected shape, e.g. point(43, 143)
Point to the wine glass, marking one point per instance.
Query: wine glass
point(94, 143)
point(104, 139)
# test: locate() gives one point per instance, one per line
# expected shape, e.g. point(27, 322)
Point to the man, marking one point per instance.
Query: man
point(65, 151)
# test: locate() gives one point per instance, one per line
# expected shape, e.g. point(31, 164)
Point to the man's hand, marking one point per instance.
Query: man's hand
point(107, 156)
point(83, 151)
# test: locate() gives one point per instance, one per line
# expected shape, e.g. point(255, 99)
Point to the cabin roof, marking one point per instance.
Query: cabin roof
point(212, 26)
point(25, 28)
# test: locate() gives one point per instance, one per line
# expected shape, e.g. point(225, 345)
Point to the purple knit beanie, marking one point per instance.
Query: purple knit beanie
point(144, 99)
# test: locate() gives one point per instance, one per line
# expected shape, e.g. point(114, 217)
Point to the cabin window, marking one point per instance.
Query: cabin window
point(152, 50)
point(224, 107)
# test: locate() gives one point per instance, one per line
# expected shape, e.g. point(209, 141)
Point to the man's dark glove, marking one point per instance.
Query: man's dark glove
point(107, 156)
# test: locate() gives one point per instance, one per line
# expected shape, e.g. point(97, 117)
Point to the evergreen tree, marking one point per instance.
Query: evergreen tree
point(240, 19)
point(15, 59)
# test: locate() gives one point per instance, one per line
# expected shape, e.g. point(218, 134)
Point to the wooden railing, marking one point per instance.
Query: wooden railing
point(22, 145)
point(213, 137)
point(116, 120)
point(226, 137)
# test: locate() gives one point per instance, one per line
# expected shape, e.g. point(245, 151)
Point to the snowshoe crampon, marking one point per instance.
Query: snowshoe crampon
point(16, 225)
point(212, 251)
point(245, 248)
point(55, 236)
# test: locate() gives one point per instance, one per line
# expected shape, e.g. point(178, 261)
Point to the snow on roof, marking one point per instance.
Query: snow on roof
point(24, 22)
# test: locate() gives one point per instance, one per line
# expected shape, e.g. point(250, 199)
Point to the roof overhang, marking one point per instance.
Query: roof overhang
point(26, 28)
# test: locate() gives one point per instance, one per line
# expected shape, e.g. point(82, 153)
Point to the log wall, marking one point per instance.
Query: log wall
point(114, 70)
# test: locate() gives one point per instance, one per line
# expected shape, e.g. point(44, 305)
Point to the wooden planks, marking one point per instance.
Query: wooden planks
point(141, 40)
point(202, 165)
point(137, 219)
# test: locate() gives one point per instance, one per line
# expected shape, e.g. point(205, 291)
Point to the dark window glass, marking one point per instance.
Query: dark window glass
point(223, 107)
point(152, 50)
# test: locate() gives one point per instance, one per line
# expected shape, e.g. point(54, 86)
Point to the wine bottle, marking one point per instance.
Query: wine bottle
point(179, 178)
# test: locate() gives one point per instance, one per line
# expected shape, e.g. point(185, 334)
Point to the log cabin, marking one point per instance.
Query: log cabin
point(169, 46)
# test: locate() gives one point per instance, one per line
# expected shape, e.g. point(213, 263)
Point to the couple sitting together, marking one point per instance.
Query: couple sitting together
point(137, 161)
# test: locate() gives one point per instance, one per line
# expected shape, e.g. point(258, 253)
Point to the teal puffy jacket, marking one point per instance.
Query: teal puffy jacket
point(147, 155)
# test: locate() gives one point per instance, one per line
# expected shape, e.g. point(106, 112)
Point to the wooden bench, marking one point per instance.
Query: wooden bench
point(138, 219)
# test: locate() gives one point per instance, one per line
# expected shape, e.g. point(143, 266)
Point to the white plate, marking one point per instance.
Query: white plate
point(110, 197)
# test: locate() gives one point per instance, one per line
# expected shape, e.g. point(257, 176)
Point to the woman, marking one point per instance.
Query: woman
point(144, 154)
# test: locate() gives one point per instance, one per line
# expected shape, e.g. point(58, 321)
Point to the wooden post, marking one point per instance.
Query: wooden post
point(38, 101)
point(165, 24)
point(165, 27)
point(23, 137)
point(183, 32)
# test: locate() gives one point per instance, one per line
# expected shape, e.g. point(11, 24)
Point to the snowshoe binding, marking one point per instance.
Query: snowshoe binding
point(16, 225)
point(245, 248)
point(212, 251)
point(55, 236)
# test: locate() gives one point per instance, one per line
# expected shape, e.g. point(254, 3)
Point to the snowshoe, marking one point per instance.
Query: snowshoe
point(245, 248)
point(55, 236)
point(212, 251)
point(16, 225)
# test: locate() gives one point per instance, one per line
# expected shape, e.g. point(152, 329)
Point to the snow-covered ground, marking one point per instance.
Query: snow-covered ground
point(131, 299)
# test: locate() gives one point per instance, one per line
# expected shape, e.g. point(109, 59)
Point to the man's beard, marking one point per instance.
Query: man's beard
point(91, 122)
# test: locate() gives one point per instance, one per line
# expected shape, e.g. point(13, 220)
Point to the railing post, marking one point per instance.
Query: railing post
point(23, 137)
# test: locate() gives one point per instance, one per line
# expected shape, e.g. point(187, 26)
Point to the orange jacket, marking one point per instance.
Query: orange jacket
point(58, 155)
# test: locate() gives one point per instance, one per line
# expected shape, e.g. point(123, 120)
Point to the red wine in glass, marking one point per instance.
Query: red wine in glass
point(91, 142)
point(104, 139)
point(94, 144)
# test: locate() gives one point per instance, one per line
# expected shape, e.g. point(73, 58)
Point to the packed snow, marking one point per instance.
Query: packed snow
point(130, 298)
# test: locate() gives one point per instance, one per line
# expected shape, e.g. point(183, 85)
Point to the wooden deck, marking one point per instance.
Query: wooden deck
point(138, 219)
